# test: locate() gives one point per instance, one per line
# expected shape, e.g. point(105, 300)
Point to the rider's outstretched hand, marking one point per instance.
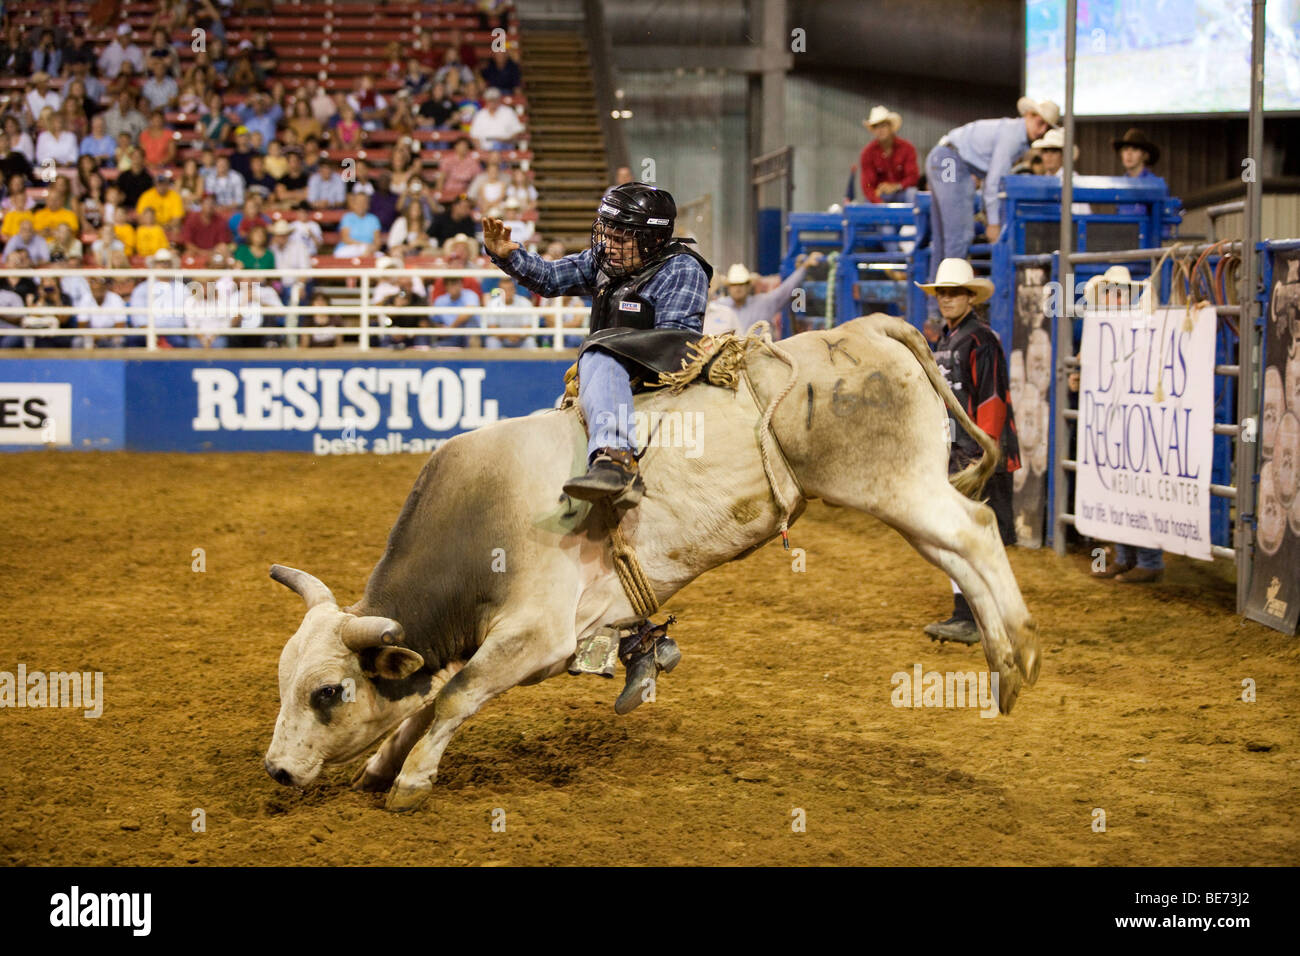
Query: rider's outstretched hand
point(496, 238)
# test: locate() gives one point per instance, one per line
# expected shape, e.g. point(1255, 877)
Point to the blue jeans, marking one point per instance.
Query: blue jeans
point(1151, 559)
point(605, 394)
point(952, 205)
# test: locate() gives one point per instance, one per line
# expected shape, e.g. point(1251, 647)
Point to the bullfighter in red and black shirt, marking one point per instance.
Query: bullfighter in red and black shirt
point(972, 360)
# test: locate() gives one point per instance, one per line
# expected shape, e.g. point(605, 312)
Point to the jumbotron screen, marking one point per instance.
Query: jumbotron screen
point(1139, 57)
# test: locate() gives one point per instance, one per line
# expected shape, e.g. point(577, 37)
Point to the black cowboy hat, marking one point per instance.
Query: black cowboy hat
point(1135, 137)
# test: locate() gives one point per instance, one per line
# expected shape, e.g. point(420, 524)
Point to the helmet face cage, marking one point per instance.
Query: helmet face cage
point(605, 234)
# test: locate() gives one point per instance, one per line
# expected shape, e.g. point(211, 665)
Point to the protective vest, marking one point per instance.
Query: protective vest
point(618, 303)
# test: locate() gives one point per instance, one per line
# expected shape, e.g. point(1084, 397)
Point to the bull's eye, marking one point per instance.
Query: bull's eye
point(326, 696)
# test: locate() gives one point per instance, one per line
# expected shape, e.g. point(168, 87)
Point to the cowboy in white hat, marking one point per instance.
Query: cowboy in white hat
point(1051, 147)
point(740, 309)
point(887, 165)
point(976, 368)
point(986, 149)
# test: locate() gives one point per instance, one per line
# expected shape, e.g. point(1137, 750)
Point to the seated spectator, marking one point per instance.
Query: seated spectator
point(93, 86)
point(291, 190)
point(55, 211)
point(15, 53)
point(410, 233)
point(521, 190)
point(323, 106)
point(435, 108)
point(241, 158)
point(509, 312)
point(25, 287)
point(64, 245)
point(347, 132)
point(368, 103)
point(206, 230)
point(457, 252)
point(47, 53)
point(249, 216)
point(325, 188)
point(31, 242)
point(123, 117)
point(92, 201)
point(275, 162)
point(452, 66)
point(165, 203)
point(457, 219)
point(489, 187)
point(361, 181)
point(256, 252)
point(260, 115)
point(457, 171)
point(520, 230)
point(167, 305)
point(136, 180)
point(49, 295)
point(149, 236)
point(157, 141)
point(263, 56)
point(40, 97)
point(18, 198)
point(258, 179)
point(120, 50)
point(359, 229)
point(402, 166)
point(302, 122)
point(226, 185)
point(78, 108)
point(383, 203)
point(97, 143)
point(502, 73)
point(216, 125)
point(495, 126)
point(160, 90)
point(445, 315)
point(12, 162)
point(108, 250)
point(190, 100)
point(290, 253)
point(190, 185)
point(320, 324)
point(415, 80)
point(100, 296)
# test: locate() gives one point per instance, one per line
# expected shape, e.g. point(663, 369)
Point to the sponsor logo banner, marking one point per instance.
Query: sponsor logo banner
point(1145, 439)
point(35, 413)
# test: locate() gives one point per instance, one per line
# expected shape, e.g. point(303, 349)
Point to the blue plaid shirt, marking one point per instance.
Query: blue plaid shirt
point(679, 291)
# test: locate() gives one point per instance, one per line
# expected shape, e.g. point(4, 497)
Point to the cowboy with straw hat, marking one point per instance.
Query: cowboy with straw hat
point(972, 361)
point(744, 308)
point(888, 163)
point(986, 149)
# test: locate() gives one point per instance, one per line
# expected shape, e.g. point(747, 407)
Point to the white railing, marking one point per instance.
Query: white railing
point(374, 319)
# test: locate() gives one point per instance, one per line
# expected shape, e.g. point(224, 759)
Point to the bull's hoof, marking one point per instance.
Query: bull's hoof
point(1027, 658)
point(404, 799)
point(1008, 689)
point(365, 782)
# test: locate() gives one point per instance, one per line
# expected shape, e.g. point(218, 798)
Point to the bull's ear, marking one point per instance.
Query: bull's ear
point(391, 663)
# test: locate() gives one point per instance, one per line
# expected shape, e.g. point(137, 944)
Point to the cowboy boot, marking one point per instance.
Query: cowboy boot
point(644, 656)
point(613, 473)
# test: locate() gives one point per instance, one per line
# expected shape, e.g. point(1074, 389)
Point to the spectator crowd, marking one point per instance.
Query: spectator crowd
point(187, 143)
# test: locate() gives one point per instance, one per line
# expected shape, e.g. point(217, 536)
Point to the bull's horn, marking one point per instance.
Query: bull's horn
point(309, 588)
point(362, 632)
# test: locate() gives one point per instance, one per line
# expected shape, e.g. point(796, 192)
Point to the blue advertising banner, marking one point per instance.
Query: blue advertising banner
point(326, 407)
point(63, 403)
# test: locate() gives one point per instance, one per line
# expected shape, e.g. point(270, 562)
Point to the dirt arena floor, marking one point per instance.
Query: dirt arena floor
point(782, 701)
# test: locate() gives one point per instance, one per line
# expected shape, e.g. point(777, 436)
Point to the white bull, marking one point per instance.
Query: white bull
point(491, 577)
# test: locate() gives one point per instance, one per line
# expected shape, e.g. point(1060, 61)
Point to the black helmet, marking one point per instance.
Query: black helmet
point(632, 210)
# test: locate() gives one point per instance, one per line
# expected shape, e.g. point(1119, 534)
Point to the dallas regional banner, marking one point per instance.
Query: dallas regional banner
point(1145, 429)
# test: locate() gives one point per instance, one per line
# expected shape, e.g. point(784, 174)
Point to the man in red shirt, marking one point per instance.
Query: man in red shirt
point(888, 162)
point(205, 230)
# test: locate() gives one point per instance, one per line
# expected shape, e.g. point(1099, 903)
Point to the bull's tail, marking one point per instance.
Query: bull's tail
point(970, 480)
